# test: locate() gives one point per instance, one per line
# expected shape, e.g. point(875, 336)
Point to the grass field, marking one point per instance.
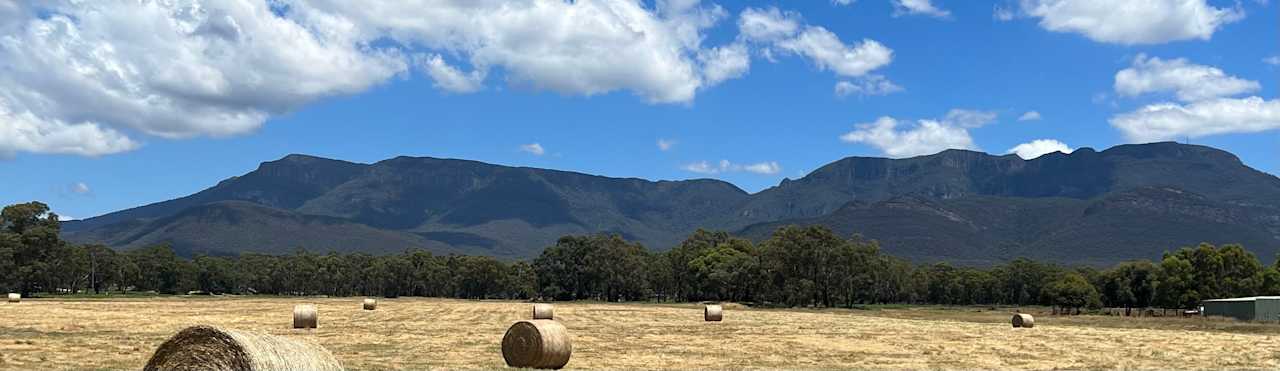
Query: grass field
point(415, 334)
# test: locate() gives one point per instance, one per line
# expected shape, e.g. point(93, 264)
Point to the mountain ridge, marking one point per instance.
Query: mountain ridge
point(455, 205)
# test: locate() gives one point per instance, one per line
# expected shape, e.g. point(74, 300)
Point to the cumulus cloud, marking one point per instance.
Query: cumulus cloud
point(783, 32)
point(827, 52)
point(24, 132)
point(450, 79)
point(842, 2)
point(1039, 147)
point(80, 72)
point(577, 48)
point(1133, 22)
point(81, 77)
point(724, 63)
point(533, 148)
point(1030, 116)
point(1189, 82)
point(1272, 60)
point(919, 7)
point(666, 144)
point(868, 85)
point(1207, 106)
point(898, 139)
point(725, 166)
point(767, 25)
point(1171, 121)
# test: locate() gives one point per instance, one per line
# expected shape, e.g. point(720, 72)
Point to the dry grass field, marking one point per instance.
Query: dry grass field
point(418, 334)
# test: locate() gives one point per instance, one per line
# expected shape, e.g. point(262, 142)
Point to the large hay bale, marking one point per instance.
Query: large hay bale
point(543, 311)
point(305, 316)
point(1023, 320)
point(713, 313)
point(370, 304)
point(207, 348)
point(15, 297)
point(537, 344)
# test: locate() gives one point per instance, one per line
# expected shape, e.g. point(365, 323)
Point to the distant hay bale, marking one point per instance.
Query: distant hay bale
point(15, 297)
point(538, 343)
point(305, 316)
point(713, 313)
point(207, 348)
point(1023, 320)
point(543, 311)
point(370, 304)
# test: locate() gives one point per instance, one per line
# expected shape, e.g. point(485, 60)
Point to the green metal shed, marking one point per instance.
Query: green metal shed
point(1253, 308)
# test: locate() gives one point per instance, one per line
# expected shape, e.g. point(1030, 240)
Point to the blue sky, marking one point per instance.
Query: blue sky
point(106, 106)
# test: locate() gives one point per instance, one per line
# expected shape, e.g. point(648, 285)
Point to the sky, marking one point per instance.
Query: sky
point(107, 105)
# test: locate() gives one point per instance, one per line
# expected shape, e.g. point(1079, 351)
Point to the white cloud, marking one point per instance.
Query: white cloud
point(1189, 82)
point(967, 118)
point(570, 47)
point(783, 32)
point(842, 2)
point(534, 148)
point(80, 188)
point(1132, 22)
point(27, 133)
point(81, 71)
point(767, 25)
point(700, 167)
point(84, 75)
point(1170, 121)
point(868, 85)
point(1272, 60)
point(1030, 116)
point(767, 168)
point(724, 63)
point(925, 138)
point(450, 79)
point(725, 166)
point(829, 53)
point(919, 7)
point(666, 144)
point(1039, 147)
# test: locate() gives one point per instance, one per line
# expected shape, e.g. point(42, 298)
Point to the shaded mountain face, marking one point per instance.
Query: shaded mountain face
point(442, 205)
point(1131, 201)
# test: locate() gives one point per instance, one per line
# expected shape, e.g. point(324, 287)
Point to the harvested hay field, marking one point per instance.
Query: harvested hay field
point(416, 334)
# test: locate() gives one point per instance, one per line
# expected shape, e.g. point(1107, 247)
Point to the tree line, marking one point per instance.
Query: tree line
point(796, 266)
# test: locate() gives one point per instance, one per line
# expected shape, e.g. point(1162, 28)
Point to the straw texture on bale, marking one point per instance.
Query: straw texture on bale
point(713, 313)
point(207, 348)
point(370, 304)
point(305, 316)
point(543, 311)
point(1023, 320)
point(15, 297)
point(542, 344)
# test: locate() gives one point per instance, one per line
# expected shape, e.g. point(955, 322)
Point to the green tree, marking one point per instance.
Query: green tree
point(1072, 292)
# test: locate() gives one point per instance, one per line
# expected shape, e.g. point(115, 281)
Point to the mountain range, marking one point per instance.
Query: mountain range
point(1087, 207)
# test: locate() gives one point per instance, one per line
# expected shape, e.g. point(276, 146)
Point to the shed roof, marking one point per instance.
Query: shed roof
point(1248, 298)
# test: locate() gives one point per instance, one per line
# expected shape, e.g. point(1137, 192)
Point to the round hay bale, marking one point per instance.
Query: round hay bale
point(543, 311)
point(541, 343)
point(305, 316)
point(15, 297)
point(1023, 320)
point(713, 313)
point(370, 304)
point(207, 348)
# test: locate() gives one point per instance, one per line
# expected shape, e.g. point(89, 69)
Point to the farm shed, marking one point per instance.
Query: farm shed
point(1253, 308)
